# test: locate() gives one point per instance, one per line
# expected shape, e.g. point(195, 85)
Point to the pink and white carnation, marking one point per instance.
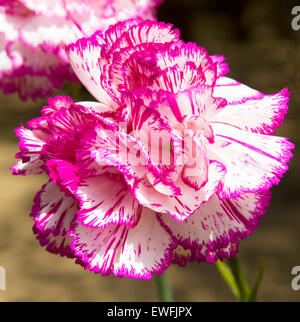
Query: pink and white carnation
point(174, 163)
point(34, 34)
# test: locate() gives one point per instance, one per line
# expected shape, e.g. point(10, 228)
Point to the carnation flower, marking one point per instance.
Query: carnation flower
point(174, 163)
point(34, 33)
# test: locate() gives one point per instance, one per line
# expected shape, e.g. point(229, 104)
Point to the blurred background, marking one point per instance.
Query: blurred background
point(263, 51)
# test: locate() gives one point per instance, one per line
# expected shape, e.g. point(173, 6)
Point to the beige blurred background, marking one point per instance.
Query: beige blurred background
point(263, 51)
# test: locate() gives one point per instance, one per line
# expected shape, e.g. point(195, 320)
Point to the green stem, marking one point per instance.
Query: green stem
point(164, 288)
point(240, 279)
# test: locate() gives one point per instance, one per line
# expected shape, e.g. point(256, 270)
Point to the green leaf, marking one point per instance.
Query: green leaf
point(226, 273)
point(244, 289)
point(253, 294)
point(235, 278)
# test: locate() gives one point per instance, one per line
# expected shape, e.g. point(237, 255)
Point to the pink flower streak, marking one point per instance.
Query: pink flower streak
point(174, 163)
point(34, 33)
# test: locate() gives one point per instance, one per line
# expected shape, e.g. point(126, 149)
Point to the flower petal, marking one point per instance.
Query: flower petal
point(34, 73)
point(53, 211)
point(106, 200)
point(5, 61)
point(132, 252)
point(32, 167)
point(215, 230)
point(254, 162)
point(182, 206)
point(48, 7)
point(37, 32)
point(141, 32)
point(73, 119)
point(234, 92)
point(222, 68)
point(54, 244)
point(184, 65)
point(181, 256)
point(54, 105)
point(31, 142)
point(197, 101)
point(126, 39)
point(259, 115)
point(84, 57)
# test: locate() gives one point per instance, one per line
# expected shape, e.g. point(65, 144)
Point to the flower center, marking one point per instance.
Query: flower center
point(198, 126)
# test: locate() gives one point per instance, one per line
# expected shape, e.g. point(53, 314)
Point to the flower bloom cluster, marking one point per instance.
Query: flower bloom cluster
point(34, 34)
point(174, 163)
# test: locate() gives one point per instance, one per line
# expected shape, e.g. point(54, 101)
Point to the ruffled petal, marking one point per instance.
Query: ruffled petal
point(260, 115)
point(63, 174)
point(54, 244)
point(76, 118)
point(55, 104)
point(114, 32)
point(132, 252)
point(140, 32)
point(26, 85)
point(53, 211)
point(32, 167)
point(31, 142)
point(35, 62)
point(222, 67)
point(106, 200)
point(93, 15)
point(182, 256)
point(254, 162)
point(184, 65)
point(37, 32)
point(110, 147)
point(99, 108)
point(98, 205)
point(124, 39)
point(34, 73)
point(47, 7)
point(6, 63)
point(215, 230)
point(84, 57)
point(234, 92)
point(195, 172)
point(181, 206)
point(197, 101)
